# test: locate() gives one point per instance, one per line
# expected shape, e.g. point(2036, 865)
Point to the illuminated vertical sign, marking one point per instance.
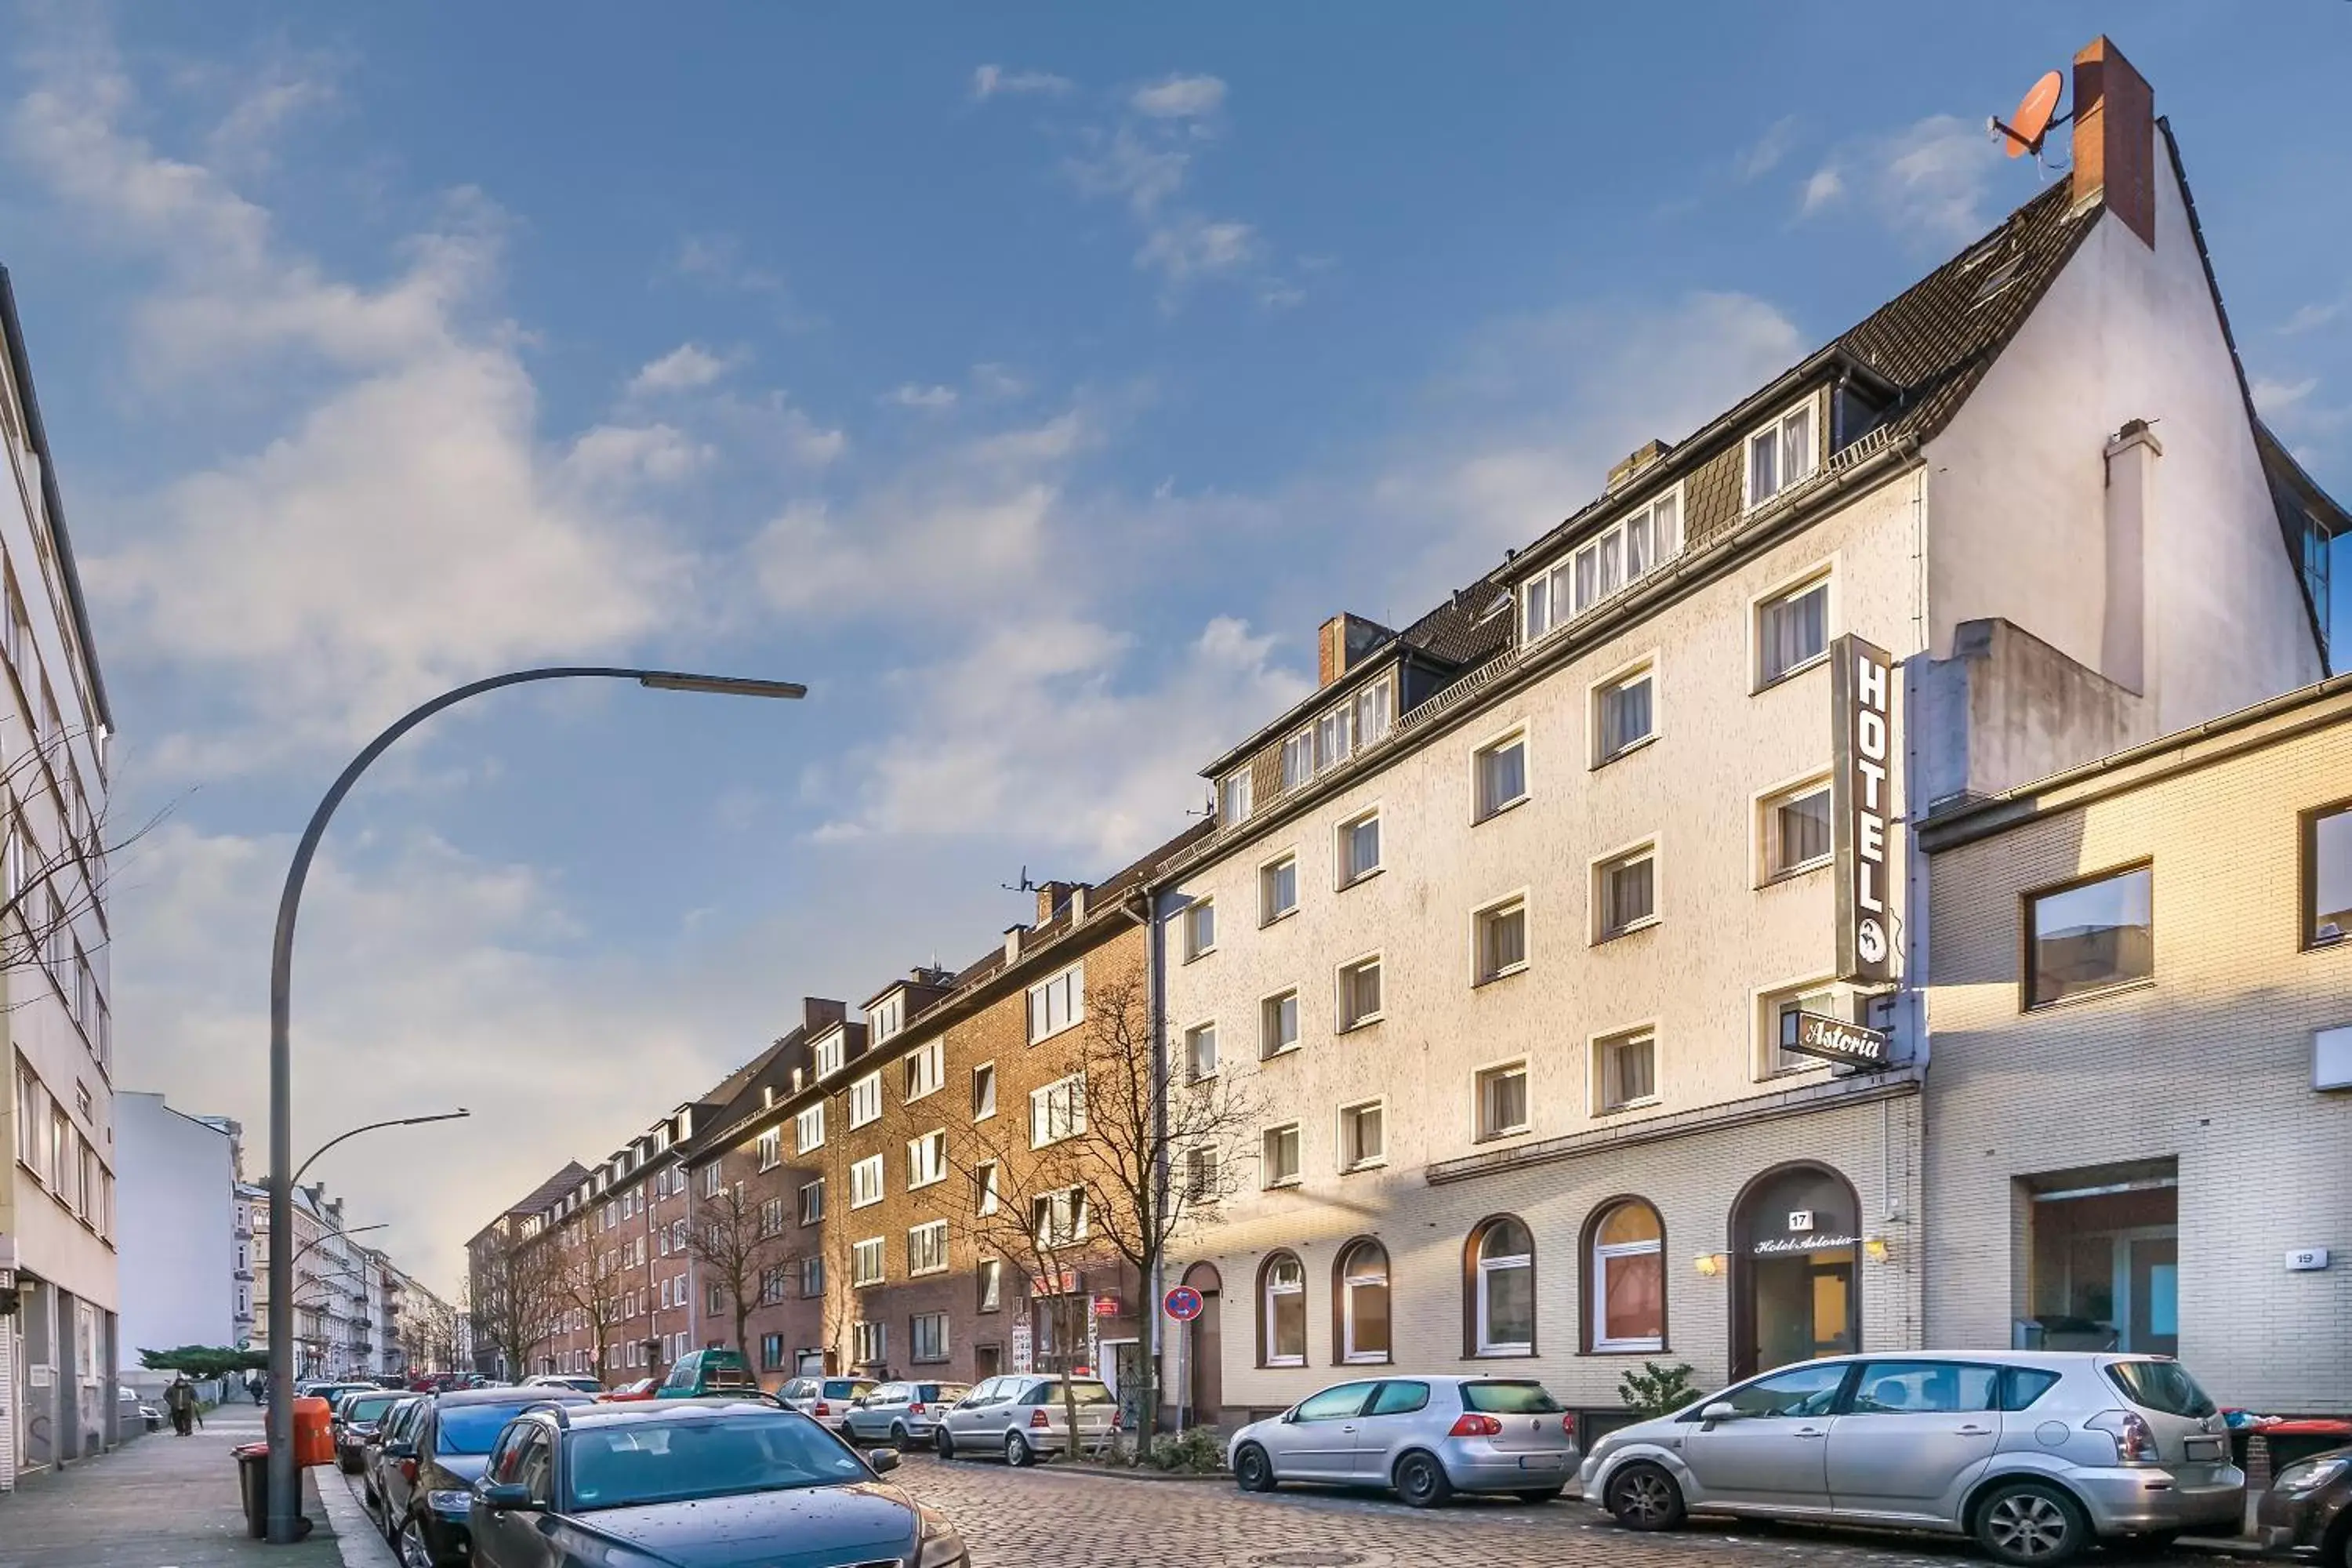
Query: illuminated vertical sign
point(1862, 801)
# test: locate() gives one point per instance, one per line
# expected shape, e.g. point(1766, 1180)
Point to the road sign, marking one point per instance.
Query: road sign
point(1184, 1303)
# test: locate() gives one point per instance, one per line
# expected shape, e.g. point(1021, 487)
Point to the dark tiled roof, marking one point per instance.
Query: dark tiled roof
point(548, 1192)
point(1462, 631)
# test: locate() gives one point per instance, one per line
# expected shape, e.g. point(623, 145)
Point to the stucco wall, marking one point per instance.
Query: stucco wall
point(175, 1220)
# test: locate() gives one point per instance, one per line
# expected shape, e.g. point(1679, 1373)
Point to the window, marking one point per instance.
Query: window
point(1200, 919)
point(924, 1071)
point(1054, 1005)
point(1058, 1112)
point(1360, 1135)
point(1503, 1288)
point(1800, 1391)
point(1792, 630)
point(983, 1091)
point(28, 1119)
point(772, 1148)
point(991, 1274)
point(829, 1053)
point(1622, 715)
point(1501, 776)
point(808, 1129)
point(772, 1352)
point(1503, 1101)
point(1278, 1160)
point(1628, 1065)
point(1278, 890)
point(2328, 876)
point(1059, 1218)
point(1629, 1279)
point(886, 1017)
point(812, 1201)
point(1924, 1388)
point(865, 1100)
point(1360, 848)
point(1625, 893)
point(1618, 557)
point(811, 1277)
point(772, 1221)
point(712, 1179)
point(1204, 1175)
point(1297, 759)
point(927, 1160)
point(1822, 997)
point(866, 1182)
point(1200, 1052)
point(2091, 936)
point(1359, 992)
point(1501, 936)
point(984, 1196)
point(1234, 797)
point(1796, 830)
point(929, 1341)
point(1277, 1024)
point(1364, 1274)
point(866, 1261)
point(927, 1247)
point(1780, 454)
point(1282, 1322)
point(870, 1342)
point(772, 1285)
point(1373, 709)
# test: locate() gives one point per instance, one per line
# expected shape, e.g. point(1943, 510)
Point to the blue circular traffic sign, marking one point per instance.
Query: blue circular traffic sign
point(1184, 1303)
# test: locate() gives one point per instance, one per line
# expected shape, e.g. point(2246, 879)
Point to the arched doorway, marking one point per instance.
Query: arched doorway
point(1796, 1245)
point(1204, 1361)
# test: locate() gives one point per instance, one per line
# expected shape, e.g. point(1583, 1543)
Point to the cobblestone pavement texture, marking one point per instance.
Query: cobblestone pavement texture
point(159, 1501)
point(1050, 1518)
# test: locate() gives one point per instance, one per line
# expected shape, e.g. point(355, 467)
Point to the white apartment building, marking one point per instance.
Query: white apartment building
point(1501, 928)
point(59, 1341)
point(177, 1225)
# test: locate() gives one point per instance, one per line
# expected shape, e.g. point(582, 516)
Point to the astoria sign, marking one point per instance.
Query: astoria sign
point(1862, 801)
point(1833, 1039)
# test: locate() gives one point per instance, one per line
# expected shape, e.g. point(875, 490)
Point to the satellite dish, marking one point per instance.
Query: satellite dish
point(2031, 121)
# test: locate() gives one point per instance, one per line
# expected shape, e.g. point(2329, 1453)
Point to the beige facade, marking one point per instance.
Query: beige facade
point(2147, 1161)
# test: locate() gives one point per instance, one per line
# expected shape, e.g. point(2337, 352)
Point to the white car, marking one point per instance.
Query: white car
point(558, 1380)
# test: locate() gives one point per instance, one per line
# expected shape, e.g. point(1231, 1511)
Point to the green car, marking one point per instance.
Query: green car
point(701, 1373)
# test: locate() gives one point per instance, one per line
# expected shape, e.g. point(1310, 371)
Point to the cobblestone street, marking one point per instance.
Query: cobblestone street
point(1046, 1519)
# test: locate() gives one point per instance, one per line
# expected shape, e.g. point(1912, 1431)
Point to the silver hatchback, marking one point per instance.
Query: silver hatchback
point(2033, 1453)
point(1424, 1437)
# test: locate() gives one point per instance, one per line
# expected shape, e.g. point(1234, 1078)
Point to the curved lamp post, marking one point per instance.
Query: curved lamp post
point(284, 1496)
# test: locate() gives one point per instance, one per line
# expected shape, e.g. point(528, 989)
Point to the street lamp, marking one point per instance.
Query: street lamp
point(370, 1127)
point(285, 1500)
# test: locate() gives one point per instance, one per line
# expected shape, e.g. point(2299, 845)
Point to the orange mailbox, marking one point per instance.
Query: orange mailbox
point(314, 1439)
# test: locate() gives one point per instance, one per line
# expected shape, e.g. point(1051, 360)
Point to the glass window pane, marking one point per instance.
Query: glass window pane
point(2101, 933)
point(1368, 1318)
point(1633, 1296)
point(1505, 1238)
point(1612, 563)
point(1795, 629)
point(2331, 877)
point(1807, 1391)
point(1670, 527)
point(1924, 1388)
point(1624, 715)
point(1801, 830)
point(1797, 446)
point(1763, 469)
point(1510, 1305)
point(1628, 1224)
point(1641, 549)
point(1630, 892)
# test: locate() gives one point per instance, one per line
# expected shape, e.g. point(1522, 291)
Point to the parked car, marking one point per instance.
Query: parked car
point(825, 1399)
point(2034, 1452)
point(2309, 1508)
point(1424, 1438)
point(633, 1487)
point(1022, 1416)
point(427, 1486)
point(392, 1433)
point(355, 1419)
point(900, 1414)
point(701, 1373)
point(642, 1389)
point(557, 1380)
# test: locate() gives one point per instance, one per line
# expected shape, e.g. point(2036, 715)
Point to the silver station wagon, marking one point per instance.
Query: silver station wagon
point(1424, 1437)
point(2035, 1454)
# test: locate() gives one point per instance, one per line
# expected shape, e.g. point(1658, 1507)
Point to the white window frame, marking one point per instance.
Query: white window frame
point(771, 1146)
point(986, 1195)
point(933, 1234)
point(1194, 1071)
point(1342, 983)
point(983, 1107)
point(1204, 1174)
point(1484, 1267)
point(1809, 406)
point(830, 1051)
point(865, 1100)
point(1349, 1283)
point(1057, 1111)
point(1820, 573)
point(1603, 1255)
point(927, 1160)
point(1601, 1049)
point(874, 1248)
point(1296, 1285)
point(1234, 797)
point(1340, 836)
point(937, 1350)
point(1764, 828)
point(808, 1127)
point(1198, 920)
point(1479, 919)
point(1765, 1018)
point(869, 1182)
point(1266, 1047)
point(886, 1017)
point(1558, 584)
point(991, 1271)
point(1267, 870)
point(813, 1213)
point(1343, 1144)
point(1065, 989)
point(1646, 667)
point(1482, 808)
point(1596, 884)
point(1266, 1148)
point(923, 1071)
point(1479, 1077)
point(1297, 759)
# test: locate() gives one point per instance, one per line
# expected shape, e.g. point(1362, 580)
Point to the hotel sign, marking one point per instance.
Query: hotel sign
point(1832, 1040)
point(1861, 683)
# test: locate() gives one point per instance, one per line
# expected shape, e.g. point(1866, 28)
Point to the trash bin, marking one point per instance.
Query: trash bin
point(253, 1491)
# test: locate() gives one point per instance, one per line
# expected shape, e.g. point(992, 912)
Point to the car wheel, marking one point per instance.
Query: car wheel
point(1253, 1471)
point(414, 1553)
point(944, 1444)
point(2032, 1522)
point(1420, 1480)
point(898, 1435)
point(1542, 1494)
point(1017, 1452)
point(1643, 1497)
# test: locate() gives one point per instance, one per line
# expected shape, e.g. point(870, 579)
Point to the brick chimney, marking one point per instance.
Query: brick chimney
point(2114, 137)
point(1343, 642)
point(821, 1012)
point(1051, 897)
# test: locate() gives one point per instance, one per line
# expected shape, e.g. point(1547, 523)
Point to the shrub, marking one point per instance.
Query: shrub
point(1197, 1452)
point(1658, 1390)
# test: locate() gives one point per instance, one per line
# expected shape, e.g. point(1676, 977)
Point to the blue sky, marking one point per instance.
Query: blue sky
point(1030, 384)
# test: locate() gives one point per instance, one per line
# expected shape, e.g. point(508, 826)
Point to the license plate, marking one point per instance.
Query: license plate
point(2205, 1449)
point(1541, 1461)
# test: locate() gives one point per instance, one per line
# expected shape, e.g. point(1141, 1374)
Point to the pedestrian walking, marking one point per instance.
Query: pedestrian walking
point(180, 1399)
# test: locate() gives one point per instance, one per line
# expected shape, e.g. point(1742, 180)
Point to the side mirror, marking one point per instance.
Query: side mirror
point(506, 1497)
point(882, 1460)
point(400, 1450)
point(1721, 1410)
point(1290, 1416)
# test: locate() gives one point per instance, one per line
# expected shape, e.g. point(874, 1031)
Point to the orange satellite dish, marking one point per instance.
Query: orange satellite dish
point(2026, 128)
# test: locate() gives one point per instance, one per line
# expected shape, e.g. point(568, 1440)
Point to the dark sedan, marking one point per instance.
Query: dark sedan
point(356, 1418)
point(2309, 1505)
point(427, 1475)
point(703, 1485)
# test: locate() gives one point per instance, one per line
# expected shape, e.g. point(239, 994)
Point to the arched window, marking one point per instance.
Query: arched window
point(1502, 1288)
point(1625, 1251)
point(1282, 1311)
point(1361, 1300)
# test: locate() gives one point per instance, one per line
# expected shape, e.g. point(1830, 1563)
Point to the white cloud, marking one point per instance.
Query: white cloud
point(1179, 98)
point(1192, 246)
point(1930, 182)
point(1129, 167)
point(1764, 155)
point(1824, 187)
point(2311, 317)
point(992, 81)
point(913, 395)
point(683, 369)
point(2277, 399)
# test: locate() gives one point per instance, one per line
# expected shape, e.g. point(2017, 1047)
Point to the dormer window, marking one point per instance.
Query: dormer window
point(1780, 454)
point(882, 1020)
point(1234, 797)
point(1609, 561)
point(1338, 733)
point(828, 1054)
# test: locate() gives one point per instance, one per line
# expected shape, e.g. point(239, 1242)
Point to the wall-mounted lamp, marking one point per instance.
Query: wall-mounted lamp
point(1710, 1264)
point(1876, 1248)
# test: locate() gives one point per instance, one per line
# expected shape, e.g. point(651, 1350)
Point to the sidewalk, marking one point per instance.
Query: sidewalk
point(158, 1500)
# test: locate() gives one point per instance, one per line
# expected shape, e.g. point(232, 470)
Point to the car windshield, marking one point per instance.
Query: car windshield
point(368, 1407)
point(842, 1388)
point(1086, 1391)
point(2162, 1385)
point(1509, 1399)
point(724, 1455)
point(472, 1428)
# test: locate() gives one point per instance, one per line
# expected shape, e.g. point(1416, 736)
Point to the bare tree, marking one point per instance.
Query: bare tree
point(49, 887)
point(429, 1333)
point(738, 1238)
point(580, 1284)
point(516, 1294)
